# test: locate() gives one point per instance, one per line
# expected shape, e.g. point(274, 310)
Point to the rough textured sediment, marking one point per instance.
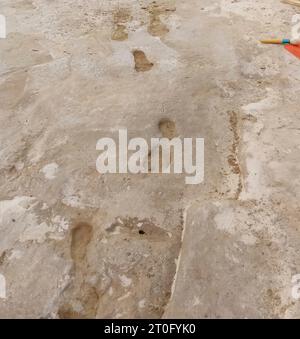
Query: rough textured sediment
point(74, 243)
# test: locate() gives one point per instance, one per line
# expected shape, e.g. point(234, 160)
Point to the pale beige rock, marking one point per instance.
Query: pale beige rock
point(74, 243)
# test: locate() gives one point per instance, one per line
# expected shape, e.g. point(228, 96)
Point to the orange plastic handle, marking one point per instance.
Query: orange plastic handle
point(295, 50)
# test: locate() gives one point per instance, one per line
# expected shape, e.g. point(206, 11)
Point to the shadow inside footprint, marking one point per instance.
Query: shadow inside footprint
point(142, 64)
point(167, 128)
point(80, 291)
point(81, 237)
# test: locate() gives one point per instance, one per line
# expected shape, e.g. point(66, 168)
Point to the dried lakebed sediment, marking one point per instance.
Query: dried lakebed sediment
point(77, 244)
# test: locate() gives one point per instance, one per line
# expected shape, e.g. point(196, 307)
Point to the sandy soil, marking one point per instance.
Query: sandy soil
point(77, 244)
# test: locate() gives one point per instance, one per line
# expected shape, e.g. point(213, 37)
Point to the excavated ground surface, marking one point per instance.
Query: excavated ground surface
point(77, 244)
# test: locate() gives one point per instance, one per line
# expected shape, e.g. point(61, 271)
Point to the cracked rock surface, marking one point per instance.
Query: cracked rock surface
point(77, 244)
